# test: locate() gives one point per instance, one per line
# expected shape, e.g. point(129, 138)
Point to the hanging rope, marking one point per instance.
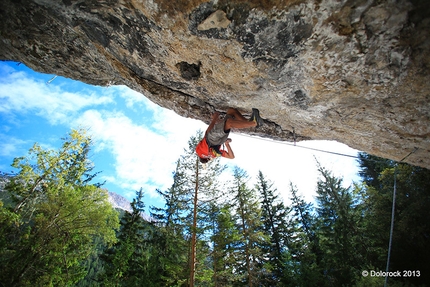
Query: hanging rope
point(304, 147)
point(390, 241)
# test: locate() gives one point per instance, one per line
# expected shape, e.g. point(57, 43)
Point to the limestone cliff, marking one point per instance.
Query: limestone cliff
point(352, 71)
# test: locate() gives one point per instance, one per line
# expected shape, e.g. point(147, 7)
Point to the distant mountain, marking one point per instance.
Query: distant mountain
point(119, 201)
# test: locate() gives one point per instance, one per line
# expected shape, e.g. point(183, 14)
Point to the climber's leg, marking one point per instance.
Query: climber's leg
point(237, 121)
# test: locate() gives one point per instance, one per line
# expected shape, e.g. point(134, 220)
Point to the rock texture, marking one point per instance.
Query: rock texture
point(352, 71)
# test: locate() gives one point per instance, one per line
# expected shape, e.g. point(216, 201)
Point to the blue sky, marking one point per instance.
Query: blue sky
point(136, 142)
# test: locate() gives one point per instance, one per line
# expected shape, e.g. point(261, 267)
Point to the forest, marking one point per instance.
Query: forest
point(58, 228)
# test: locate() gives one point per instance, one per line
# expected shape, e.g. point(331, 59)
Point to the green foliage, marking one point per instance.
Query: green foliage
point(275, 226)
point(255, 240)
point(351, 228)
point(371, 168)
point(172, 246)
point(411, 234)
point(175, 220)
point(224, 238)
point(338, 236)
point(369, 281)
point(54, 216)
point(248, 222)
point(131, 261)
point(303, 244)
point(56, 229)
point(93, 266)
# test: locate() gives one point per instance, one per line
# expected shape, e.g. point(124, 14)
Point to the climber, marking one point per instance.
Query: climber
point(218, 131)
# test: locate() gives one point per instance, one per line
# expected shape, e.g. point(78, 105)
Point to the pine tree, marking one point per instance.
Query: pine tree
point(338, 236)
point(93, 266)
point(303, 244)
point(206, 189)
point(275, 226)
point(249, 224)
point(184, 218)
point(171, 238)
point(371, 168)
point(224, 238)
point(130, 261)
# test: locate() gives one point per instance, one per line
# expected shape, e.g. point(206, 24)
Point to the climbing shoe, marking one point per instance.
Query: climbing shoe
point(255, 117)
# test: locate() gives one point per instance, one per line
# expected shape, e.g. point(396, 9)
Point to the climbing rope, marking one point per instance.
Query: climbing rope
point(303, 147)
point(390, 241)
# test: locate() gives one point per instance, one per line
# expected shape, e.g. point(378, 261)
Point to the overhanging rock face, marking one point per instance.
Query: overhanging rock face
point(352, 71)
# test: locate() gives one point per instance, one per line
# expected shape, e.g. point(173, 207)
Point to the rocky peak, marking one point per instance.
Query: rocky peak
point(119, 202)
point(352, 71)
point(122, 203)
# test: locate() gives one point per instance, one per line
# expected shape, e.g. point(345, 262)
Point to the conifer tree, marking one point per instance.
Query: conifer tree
point(184, 218)
point(224, 238)
point(249, 224)
point(303, 244)
point(131, 261)
point(337, 232)
point(371, 168)
point(93, 266)
point(275, 226)
point(206, 189)
point(172, 236)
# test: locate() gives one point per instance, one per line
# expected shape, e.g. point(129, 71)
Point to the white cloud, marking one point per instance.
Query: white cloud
point(143, 158)
point(19, 93)
point(144, 155)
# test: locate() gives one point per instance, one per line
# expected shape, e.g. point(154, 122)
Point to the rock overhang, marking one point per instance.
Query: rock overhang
point(352, 71)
